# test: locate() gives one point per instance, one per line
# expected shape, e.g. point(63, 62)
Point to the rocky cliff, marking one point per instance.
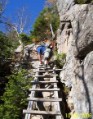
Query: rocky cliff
point(75, 38)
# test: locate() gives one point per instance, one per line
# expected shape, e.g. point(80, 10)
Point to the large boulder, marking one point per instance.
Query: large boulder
point(88, 80)
point(81, 19)
point(75, 39)
point(82, 92)
point(84, 39)
point(79, 77)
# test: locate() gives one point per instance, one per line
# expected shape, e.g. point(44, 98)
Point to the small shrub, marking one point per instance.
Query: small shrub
point(66, 89)
point(83, 1)
point(60, 59)
point(14, 98)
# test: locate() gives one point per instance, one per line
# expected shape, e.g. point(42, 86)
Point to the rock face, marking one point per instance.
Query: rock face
point(80, 18)
point(64, 5)
point(75, 38)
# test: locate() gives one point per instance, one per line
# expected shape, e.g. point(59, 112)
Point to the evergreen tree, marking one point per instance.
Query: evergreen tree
point(41, 28)
point(6, 46)
point(14, 98)
point(83, 1)
point(25, 39)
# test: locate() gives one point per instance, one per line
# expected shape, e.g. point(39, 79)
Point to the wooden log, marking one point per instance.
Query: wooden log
point(45, 99)
point(42, 71)
point(50, 70)
point(30, 103)
point(65, 20)
point(41, 112)
point(56, 105)
point(45, 82)
point(44, 76)
point(44, 90)
point(42, 67)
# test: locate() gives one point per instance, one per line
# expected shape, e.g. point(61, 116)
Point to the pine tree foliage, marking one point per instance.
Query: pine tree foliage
point(83, 1)
point(41, 28)
point(7, 46)
point(25, 39)
point(14, 98)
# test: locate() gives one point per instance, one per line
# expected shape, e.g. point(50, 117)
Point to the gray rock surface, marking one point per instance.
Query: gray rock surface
point(88, 80)
point(82, 91)
point(64, 5)
point(76, 41)
point(81, 18)
point(84, 36)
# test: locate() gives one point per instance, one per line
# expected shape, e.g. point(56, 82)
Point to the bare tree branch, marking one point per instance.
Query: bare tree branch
point(3, 4)
point(23, 19)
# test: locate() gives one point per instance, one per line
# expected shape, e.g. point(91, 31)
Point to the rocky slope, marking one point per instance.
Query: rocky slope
point(75, 38)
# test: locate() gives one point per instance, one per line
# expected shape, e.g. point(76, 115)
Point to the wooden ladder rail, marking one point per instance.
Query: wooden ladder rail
point(30, 103)
point(56, 105)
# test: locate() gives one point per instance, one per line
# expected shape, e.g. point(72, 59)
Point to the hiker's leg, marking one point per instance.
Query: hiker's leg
point(46, 57)
point(40, 58)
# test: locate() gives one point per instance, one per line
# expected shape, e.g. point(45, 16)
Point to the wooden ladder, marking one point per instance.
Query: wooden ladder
point(55, 100)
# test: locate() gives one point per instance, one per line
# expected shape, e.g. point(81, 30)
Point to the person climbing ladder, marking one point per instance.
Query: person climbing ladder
point(44, 52)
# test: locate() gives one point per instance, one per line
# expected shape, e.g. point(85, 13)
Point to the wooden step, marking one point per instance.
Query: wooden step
point(49, 70)
point(36, 112)
point(41, 64)
point(45, 82)
point(42, 71)
point(45, 99)
point(55, 69)
point(45, 76)
point(45, 90)
point(41, 76)
point(44, 68)
point(41, 67)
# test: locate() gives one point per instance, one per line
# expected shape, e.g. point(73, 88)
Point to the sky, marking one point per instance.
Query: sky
point(33, 8)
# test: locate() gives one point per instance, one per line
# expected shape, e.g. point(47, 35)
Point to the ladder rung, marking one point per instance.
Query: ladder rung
point(45, 99)
point(49, 70)
point(40, 82)
point(41, 71)
point(45, 90)
point(55, 69)
point(41, 112)
point(42, 67)
point(41, 64)
point(45, 76)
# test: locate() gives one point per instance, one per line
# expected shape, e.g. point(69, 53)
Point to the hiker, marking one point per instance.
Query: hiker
point(44, 52)
point(40, 49)
point(48, 53)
